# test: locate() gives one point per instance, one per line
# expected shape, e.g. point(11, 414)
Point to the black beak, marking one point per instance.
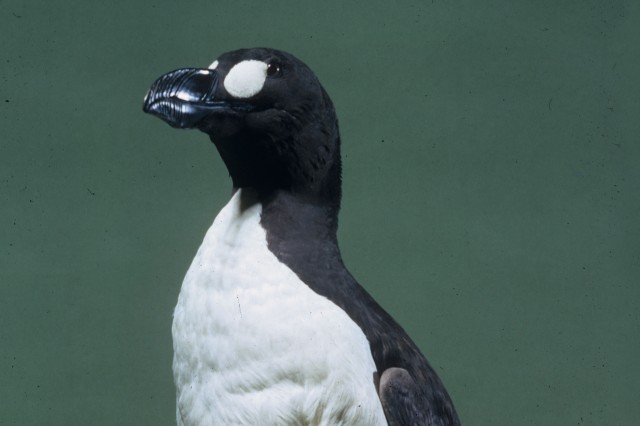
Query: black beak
point(184, 97)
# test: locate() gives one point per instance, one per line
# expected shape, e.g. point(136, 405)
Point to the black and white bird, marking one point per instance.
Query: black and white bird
point(270, 327)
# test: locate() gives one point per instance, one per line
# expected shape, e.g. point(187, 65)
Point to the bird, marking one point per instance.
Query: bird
point(270, 327)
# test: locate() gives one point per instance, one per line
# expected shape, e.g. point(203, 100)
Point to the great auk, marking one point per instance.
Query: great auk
point(270, 328)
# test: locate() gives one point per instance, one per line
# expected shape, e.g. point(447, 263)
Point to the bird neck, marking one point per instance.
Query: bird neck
point(304, 218)
point(306, 166)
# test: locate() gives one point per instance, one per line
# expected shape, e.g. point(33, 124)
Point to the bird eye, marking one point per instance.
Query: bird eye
point(273, 69)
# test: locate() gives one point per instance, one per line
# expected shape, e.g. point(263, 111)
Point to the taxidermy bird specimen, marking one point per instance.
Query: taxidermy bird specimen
point(270, 327)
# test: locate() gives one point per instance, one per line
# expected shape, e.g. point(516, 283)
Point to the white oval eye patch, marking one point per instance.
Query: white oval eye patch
point(213, 65)
point(246, 78)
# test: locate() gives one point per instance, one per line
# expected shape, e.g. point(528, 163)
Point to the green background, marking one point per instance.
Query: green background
point(491, 195)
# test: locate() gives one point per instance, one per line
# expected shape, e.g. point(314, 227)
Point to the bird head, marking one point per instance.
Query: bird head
point(271, 120)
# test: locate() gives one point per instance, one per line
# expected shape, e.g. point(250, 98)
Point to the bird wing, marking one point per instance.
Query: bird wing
point(399, 396)
point(404, 404)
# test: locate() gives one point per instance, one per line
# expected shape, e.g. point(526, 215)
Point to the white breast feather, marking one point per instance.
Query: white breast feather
point(254, 345)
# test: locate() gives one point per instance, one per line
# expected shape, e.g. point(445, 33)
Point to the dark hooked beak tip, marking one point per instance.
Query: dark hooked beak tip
point(183, 97)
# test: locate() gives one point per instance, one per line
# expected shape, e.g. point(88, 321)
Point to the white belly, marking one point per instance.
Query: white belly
point(254, 345)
